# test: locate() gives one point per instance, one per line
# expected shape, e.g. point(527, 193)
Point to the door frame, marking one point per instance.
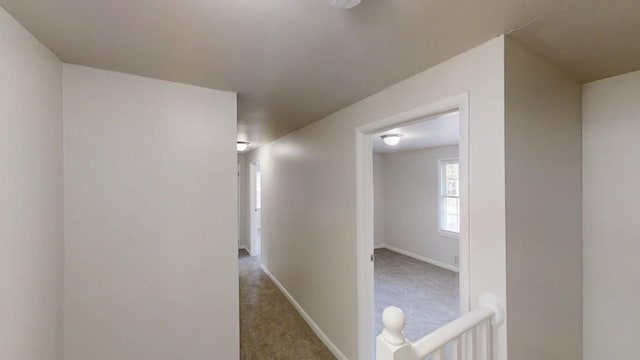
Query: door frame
point(241, 204)
point(364, 209)
point(256, 248)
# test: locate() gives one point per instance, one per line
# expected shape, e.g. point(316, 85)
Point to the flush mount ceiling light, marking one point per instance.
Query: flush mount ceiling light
point(242, 146)
point(344, 4)
point(391, 139)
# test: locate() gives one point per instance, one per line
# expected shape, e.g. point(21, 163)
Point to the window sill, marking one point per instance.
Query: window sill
point(449, 234)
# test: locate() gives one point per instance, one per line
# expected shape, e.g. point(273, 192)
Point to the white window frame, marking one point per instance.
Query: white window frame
point(442, 196)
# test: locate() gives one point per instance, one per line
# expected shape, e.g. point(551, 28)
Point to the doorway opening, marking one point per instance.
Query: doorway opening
point(256, 208)
point(416, 213)
point(401, 235)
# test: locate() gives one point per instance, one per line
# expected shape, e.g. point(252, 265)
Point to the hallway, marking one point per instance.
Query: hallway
point(270, 327)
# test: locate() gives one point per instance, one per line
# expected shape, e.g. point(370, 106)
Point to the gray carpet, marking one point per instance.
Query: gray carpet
point(270, 327)
point(427, 294)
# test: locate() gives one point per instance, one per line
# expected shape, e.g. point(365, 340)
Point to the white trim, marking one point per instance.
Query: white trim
point(423, 258)
point(364, 244)
point(316, 329)
point(364, 209)
point(380, 246)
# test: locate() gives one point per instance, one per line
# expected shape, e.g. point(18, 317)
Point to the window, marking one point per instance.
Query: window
point(450, 197)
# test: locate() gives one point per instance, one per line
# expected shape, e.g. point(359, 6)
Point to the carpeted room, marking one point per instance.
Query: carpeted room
point(417, 209)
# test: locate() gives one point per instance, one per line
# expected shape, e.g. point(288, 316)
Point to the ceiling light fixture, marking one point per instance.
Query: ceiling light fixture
point(344, 4)
point(391, 139)
point(242, 146)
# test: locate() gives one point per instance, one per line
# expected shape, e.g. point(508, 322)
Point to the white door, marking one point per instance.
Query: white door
point(239, 204)
point(256, 209)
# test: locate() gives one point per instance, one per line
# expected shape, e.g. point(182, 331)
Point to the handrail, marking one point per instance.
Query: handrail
point(392, 344)
point(452, 330)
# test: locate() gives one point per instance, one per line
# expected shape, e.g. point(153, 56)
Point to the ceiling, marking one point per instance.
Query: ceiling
point(592, 41)
point(442, 130)
point(293, 62)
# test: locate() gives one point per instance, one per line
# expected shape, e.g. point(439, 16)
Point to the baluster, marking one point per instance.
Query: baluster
point(482, 341)
point(487, 344)
point(456, 349)
point(439, 354)
point(469, 344)
point(489, 340)
point(474, 342)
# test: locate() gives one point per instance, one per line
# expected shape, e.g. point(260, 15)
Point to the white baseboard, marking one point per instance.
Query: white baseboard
point(316, 329)
point(423, 258)
point(243, 248)
point(381, 246)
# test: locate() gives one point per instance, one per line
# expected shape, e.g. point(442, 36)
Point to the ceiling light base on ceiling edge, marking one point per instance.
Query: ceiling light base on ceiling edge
point(344, 4)
point(242, 146)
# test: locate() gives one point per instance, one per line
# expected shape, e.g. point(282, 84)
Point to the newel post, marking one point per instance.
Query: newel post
point(391, 344)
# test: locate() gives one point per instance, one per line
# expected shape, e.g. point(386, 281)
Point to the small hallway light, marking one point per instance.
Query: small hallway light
point(391, 139)
point(242, 146)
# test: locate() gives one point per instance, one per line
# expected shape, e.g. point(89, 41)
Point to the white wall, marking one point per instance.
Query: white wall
point(150, 219)
point(411, 203)
point(309, 192)
point(378, 200)
point(611, 149)
point(543, 193)
point(31, 233)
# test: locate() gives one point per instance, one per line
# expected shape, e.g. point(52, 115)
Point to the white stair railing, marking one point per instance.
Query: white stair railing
point(466, 338)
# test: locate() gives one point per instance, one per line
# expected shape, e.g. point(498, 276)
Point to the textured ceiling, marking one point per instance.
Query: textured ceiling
point(292, 62)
